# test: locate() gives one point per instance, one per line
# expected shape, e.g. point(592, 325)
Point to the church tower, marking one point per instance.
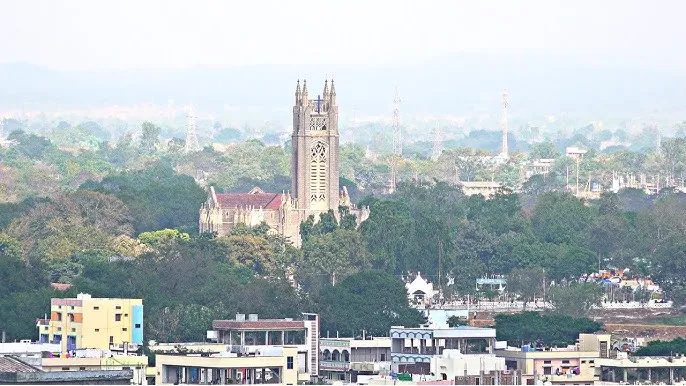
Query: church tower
point(315, 158)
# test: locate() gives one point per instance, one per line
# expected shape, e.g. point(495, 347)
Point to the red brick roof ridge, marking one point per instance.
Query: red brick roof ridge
point(258, 200)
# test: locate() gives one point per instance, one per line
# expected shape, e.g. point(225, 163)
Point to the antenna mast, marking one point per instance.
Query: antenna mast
point(505, 96)
point(191, 135)
point(397, 134)
point(438, 145)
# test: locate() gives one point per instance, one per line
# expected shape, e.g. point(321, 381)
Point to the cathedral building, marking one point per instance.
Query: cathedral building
point(314, 172)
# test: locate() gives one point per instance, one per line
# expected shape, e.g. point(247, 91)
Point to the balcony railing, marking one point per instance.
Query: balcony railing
point(334, 365)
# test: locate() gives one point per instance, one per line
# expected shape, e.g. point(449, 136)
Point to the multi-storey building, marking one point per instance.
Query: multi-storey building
point(345, 359)
point(412, 349)
point(251, 335)
point(576, 364)
point(86, 322)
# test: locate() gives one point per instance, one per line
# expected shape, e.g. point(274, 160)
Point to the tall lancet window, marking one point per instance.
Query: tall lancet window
point(318, 174)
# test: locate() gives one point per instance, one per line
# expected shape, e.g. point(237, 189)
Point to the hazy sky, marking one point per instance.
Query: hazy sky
point(126, 34)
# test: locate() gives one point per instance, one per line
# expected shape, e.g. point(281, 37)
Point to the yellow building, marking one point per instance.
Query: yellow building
point(86, 322)
point(269, 365)
point(576, 364)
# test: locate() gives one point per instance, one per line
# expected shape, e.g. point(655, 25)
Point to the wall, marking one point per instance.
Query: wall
point(99, 324)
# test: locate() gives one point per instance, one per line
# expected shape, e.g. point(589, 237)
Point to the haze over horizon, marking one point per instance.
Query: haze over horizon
point(590, 59)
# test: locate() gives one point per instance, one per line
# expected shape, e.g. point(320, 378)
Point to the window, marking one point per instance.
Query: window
point(118, 307)
point(72, 307)
point(547, 362)
point(137, 325)
point(73, 330)
point(59, 316)
point(71, 317)
point(289, 363)
point(45, 328)
point(565, 361)
point(82, 368)
point(97, 330)
point(383, 357)
point(126, 315)
point(59, 328)
point(117, 317)
point(111, 339)
point(96, 308)
point(65, 368)
point(547, 371)
point(126, 368)
point(124, 329)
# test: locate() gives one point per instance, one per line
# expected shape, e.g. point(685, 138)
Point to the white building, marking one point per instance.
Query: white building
point(413, 348)
point(251, 335)
point(454, 364)
point(420, 290)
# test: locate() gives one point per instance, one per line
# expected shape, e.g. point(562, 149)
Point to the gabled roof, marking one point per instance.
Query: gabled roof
point(257, 200)
point(12, 365)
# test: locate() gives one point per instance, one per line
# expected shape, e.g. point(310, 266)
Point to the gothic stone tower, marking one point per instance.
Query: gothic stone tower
point(315, 158)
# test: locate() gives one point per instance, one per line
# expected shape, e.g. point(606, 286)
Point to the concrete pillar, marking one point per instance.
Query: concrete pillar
point(612, 374)
point(266, 338)
point(626, 378)
point(671, 375)
point(242, 338)
point(650, 374)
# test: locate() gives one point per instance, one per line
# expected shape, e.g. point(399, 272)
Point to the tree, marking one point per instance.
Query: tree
point(673, 347)
point(331, 257)
point(158, 197)
point(543, 150)
point(542, 329)
point(527, 283)
point(162, 237)
point(560, 218)
point(371, 300)
point(150, 136)
point(575, 299)
point(31, 145)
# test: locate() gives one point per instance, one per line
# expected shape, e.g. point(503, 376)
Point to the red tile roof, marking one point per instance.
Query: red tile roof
point(13, 365)
point(42, 322)
point(60, 286)
point(265, 324)
point(257, 200)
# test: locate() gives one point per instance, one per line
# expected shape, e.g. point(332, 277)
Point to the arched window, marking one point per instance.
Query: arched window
point(318, 173)
point(346, 356)
point(336, 356)
point(326, 355)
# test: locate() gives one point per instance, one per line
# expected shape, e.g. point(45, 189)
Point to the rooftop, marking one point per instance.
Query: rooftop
point(253, 200)
point(10, 364)
point(263, 324)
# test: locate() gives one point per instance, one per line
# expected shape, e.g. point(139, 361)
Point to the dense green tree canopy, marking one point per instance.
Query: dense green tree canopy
point(546, 329)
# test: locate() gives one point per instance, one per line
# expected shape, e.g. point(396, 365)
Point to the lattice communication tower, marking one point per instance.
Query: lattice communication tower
point(191, 133)
point(397, 133)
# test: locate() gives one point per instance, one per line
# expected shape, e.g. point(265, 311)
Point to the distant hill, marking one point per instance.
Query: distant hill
point(459, 85)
